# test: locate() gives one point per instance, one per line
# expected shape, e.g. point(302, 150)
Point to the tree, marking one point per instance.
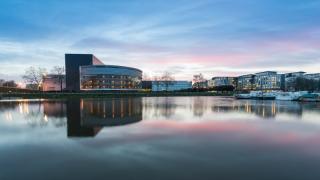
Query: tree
point(198, 81)
point(34, 76)
point(167, 79)
point(60, 71)
point(145, 77)
point(304, 84)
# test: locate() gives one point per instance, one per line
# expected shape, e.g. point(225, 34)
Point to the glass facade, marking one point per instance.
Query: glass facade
point(105, 77)
point(246, 82)
point(268, 80)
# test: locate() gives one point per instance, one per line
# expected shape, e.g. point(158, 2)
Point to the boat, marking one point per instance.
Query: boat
point(242, 96)
point(311, 97)
point(290, 96)
point(285, 96)
point(259, 95)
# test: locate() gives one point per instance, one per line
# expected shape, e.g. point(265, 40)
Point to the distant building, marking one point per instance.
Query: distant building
point(171, 86)
point(245, 82)
point(200, 85)
point(53, 82)
point(222, 81)
point(147, 85)
point(268, 80)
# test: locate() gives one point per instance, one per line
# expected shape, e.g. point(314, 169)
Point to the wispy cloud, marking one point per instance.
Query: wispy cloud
point(185, 36)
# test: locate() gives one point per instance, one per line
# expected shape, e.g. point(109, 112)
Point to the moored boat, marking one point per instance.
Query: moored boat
point(259, 95)
point(290, 96)
point(311, 97)
point(242, 96)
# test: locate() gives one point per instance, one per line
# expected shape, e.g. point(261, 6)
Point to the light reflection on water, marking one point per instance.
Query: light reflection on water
point(170, 137)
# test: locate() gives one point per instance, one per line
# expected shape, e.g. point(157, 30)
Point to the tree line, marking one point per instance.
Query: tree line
point(33, 76)
point(304, 84)
point(10, 83)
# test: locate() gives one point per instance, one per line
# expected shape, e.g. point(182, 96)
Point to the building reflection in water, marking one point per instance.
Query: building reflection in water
point(265, 109)
point(83, 117)
point(86, 117)
point(160, 107)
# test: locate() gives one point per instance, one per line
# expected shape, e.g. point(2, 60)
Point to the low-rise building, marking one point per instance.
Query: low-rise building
point(171, 85)
point(53, 82)
point(221, 81)
point(147, 85)
point(200, 85)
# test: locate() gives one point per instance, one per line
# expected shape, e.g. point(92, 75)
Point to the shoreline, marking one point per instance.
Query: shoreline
point(107, 95)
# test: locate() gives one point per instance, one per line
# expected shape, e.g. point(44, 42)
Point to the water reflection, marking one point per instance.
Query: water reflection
point(180, 137)
point(83, 117)
point(86, 117)
point(264, 109)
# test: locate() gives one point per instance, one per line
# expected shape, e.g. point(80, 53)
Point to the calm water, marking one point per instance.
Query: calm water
point(159, 138)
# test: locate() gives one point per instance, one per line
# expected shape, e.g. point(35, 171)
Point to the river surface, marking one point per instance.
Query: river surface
point(159, 138)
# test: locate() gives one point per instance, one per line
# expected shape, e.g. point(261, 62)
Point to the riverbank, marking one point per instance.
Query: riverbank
point(107, 95)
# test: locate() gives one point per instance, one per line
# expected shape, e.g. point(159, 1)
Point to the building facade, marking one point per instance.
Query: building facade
point(314, 76)
point(53, 82)
point(245, 82)
point(73, 62)
point(85, 72)
point(222, 81)
point(109, 77)
point(200, 85)
point(268, 80)
point(171, 86)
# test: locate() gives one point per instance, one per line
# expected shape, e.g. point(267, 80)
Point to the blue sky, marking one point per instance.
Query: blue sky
point(215, 37)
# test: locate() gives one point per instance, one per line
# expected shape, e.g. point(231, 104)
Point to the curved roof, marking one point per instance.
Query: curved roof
point(113, 66)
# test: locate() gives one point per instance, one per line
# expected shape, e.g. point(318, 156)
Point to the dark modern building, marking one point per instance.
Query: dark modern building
point(147, 85)
point(85, 72)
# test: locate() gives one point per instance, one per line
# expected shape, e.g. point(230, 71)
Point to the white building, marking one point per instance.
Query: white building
point(171, 85)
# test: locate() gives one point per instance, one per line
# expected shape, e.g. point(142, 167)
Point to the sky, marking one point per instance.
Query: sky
point(184, 37)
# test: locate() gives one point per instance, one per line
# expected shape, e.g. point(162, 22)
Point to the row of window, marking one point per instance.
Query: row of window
point(107, 82)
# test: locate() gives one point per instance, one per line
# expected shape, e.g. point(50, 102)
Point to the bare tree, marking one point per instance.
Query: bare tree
point(198, 80)
point(60, 71)
point(167, 79)
point(145, 77)
point(34, 76)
